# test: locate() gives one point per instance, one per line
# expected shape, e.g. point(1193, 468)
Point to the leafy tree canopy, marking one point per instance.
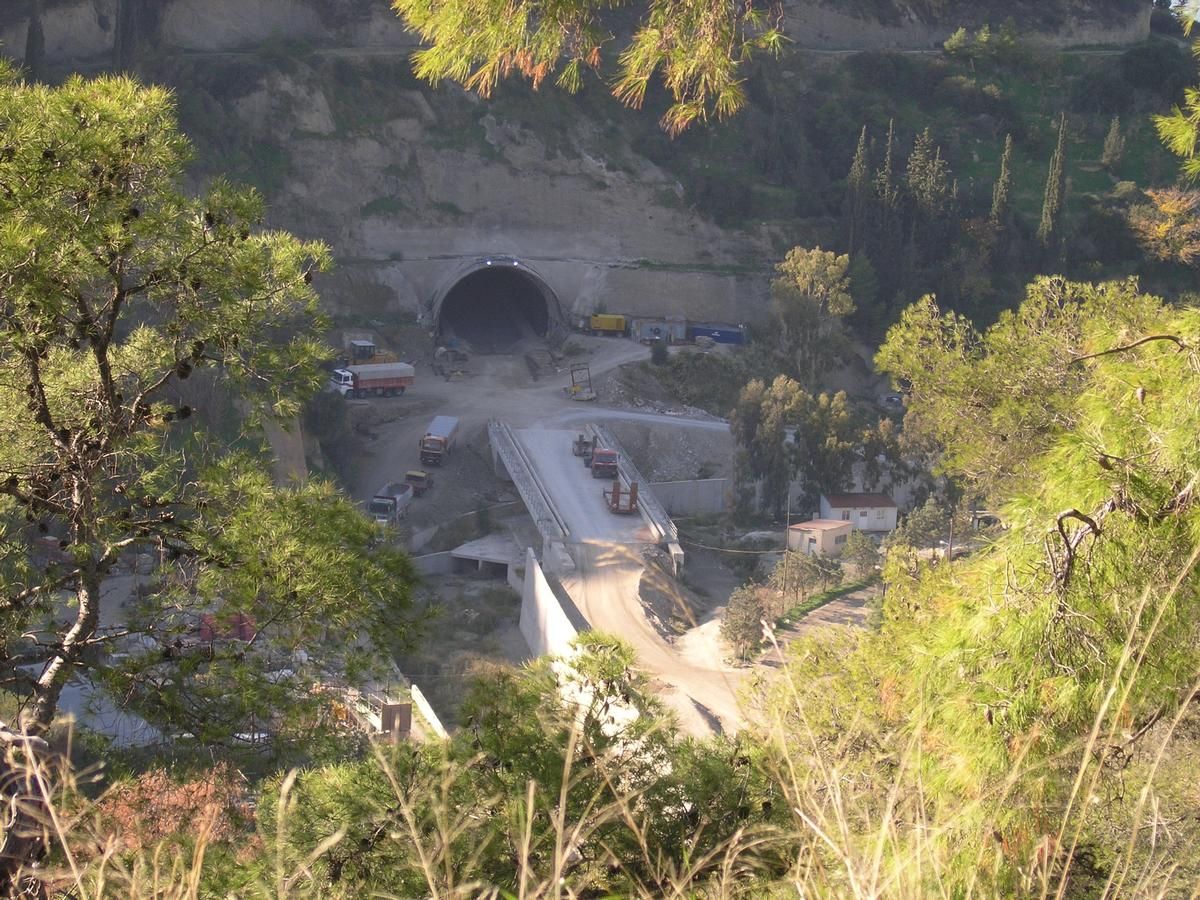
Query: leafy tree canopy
point(699, 47)
point(809, 299)
point(1005, 692)
point(783, 432)
point(125, 307)
point(987, 404)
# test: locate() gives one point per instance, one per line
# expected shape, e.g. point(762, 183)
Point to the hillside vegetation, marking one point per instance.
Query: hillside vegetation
point(1019, 720)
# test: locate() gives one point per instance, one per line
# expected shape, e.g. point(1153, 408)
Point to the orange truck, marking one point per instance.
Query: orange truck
point(439, 440)
point(372, 380)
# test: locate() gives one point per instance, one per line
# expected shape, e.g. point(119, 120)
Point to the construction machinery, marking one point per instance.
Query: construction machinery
point(581, 383)
point(582, 446)
point(363, 351)
point(419, 481)
point(451, 363)
point(605, 462)
point(621, 502)
point(606, 323)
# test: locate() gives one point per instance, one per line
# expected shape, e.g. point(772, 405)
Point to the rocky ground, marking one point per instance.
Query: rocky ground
point(473, 628)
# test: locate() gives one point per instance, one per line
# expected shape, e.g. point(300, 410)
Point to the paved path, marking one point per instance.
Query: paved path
point(576, 494)
point(851, 609)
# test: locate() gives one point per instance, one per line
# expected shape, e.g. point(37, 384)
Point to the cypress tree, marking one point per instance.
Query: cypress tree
point(35, 43)
point(887, 224)
point(741, 625)
point(1003, 187)
point(1114, 145)
point(857, 194)
point(885, 179)
point(1049, 229)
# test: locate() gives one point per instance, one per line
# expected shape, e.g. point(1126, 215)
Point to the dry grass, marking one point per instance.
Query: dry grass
point(847, 833)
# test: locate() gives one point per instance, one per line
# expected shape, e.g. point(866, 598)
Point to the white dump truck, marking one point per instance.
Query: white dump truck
point(390, 502)
point(373, 379)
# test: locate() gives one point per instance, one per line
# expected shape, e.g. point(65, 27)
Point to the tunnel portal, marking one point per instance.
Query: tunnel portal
point(495, 307)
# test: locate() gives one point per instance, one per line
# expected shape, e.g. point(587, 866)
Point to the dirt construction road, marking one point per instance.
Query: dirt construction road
point(702, 691)
point(690, 673)
point(607, 550)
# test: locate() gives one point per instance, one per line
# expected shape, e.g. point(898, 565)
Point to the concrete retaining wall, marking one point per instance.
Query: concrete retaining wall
point(434, 563)
point(516, 579)
point(549, 621)
point(427, 713)
point(88, 29)
point(693, 498)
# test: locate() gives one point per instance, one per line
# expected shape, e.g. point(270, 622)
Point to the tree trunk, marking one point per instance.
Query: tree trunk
point(24, 840)
point(50, 684)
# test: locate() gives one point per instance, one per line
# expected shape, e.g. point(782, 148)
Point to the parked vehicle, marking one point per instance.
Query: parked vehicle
point(606, 323)
point(604, 463)
point(581, 446)
point(622, 503)
point(439, 440)
point(374, 379)
point(390, 502)
point(419, 481)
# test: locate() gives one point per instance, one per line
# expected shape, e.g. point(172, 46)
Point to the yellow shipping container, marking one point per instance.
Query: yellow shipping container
point(607, 322)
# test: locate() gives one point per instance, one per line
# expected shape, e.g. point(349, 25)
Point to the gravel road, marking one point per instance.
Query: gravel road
point(691, 677)
point(701, 691)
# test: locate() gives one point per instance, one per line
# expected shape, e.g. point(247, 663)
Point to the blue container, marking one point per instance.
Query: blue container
point(722, 334)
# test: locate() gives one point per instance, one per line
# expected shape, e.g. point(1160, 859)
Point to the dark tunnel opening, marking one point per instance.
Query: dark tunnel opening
point(494, 309)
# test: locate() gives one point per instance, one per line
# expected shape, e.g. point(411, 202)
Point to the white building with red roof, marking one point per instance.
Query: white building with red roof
point(866, 512)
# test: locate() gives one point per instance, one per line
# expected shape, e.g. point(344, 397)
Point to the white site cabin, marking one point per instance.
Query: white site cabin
point(820, 537)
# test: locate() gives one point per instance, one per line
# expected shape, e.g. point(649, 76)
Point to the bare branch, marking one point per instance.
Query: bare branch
point(1124, 348)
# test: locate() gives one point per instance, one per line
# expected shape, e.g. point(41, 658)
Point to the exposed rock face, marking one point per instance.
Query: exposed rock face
point(87, 30)
point(413, 186)
point(901, 25)
point(82, 31)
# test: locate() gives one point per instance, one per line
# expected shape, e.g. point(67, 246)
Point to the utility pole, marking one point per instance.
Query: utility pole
point(787, 539)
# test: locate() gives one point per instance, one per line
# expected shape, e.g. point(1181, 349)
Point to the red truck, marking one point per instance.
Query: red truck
point(604, 463)
point(374, 379)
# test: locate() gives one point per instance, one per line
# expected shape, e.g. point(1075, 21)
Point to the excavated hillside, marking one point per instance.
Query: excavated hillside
point(315, 103)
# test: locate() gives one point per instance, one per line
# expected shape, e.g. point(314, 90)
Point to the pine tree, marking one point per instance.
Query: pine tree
point(1003, 188)
point(1114, 145)
point(857, 195)
point(1049, 232)
point(741, 625)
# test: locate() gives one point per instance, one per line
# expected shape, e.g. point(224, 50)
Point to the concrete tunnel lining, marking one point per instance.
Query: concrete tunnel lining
point(494, 303)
